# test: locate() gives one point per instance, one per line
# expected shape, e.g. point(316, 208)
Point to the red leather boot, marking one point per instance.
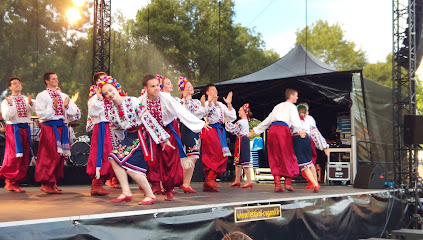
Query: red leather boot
point(288, 186)
point(212, 179)
point(97, 187)
point(278, 186)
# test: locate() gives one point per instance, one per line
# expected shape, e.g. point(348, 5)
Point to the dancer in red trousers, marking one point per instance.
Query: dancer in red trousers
point(165, 109)
point(282, 160)
point(16, 110)
point(54, 108)
point(214, 148)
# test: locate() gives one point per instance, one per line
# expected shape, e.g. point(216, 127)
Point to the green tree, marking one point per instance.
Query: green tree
point(36, 37)
point(380, 72)
point(196, 41)
point(328, 43)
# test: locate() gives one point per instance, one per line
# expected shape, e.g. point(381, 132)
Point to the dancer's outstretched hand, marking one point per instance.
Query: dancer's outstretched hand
point(326, 150)
point(251, 133)
point(228, 99)
point(167, 143)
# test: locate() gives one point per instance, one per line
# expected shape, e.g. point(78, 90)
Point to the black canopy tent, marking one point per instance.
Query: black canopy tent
point(329, 93)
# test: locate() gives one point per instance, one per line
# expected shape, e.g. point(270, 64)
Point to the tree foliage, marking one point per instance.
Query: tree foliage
point(200, 40)
point(380, 72)
point(328, 43)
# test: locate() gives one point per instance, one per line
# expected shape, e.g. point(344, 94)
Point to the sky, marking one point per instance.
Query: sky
point(367, 23)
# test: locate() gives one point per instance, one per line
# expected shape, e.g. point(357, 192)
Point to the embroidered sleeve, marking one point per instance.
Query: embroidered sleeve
point(157, 133)
point(194, 106)
point(189, 120)
point(233, 128)
point(318, 139)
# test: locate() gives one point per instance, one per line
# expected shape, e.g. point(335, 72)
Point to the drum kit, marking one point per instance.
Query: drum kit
point(80, 146)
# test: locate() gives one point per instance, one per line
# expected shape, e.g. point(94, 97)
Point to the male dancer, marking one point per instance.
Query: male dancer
point(52, 106)
point(214, 148)
point(167, 167)
point(282, 160)
point(16, 110)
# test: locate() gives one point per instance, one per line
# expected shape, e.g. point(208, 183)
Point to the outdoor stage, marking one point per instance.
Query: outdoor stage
point(336, 212)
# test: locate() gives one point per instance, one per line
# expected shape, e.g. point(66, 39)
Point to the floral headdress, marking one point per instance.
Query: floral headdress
point(161, 79)
point(93, 91)
point(109, 80)
point(303, 105)
point(143, 92)
point(246, 108)
point(181, 83)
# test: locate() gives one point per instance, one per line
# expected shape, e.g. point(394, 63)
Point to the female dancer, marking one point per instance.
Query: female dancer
point(242, 145)
point(190, 139)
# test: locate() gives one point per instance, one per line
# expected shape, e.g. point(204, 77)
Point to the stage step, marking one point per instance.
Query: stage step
point(263, 174)
point(409, 234)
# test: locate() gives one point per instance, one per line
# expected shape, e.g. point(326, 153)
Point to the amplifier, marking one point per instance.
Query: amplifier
point(338, 171)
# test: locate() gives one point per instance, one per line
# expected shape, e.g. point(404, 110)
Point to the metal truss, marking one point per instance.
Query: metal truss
point(101, 36)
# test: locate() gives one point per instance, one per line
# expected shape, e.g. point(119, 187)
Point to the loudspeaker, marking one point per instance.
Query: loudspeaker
point(369, 176)
point(413, 131)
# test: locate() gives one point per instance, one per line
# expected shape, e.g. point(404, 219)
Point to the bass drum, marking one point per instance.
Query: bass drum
point(79, 153)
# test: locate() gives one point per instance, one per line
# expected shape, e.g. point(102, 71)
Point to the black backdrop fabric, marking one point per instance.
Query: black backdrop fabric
point(347, 217)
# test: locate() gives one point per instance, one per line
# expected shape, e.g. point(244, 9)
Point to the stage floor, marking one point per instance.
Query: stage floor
point(35, 206)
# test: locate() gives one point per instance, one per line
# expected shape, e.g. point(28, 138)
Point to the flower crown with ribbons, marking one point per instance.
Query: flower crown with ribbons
point(161, 79)
point(181, 83)
point(109, 80)
point(246, 108)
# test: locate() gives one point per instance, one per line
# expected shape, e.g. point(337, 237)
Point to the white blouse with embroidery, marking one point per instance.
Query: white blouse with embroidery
point(239, 128)
point(165, 108)
point(45, 111)
point(97, 109)
point(19, 112)
point(193, 106)
point(217, 113)
point(130, 114)
point(309, 124)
